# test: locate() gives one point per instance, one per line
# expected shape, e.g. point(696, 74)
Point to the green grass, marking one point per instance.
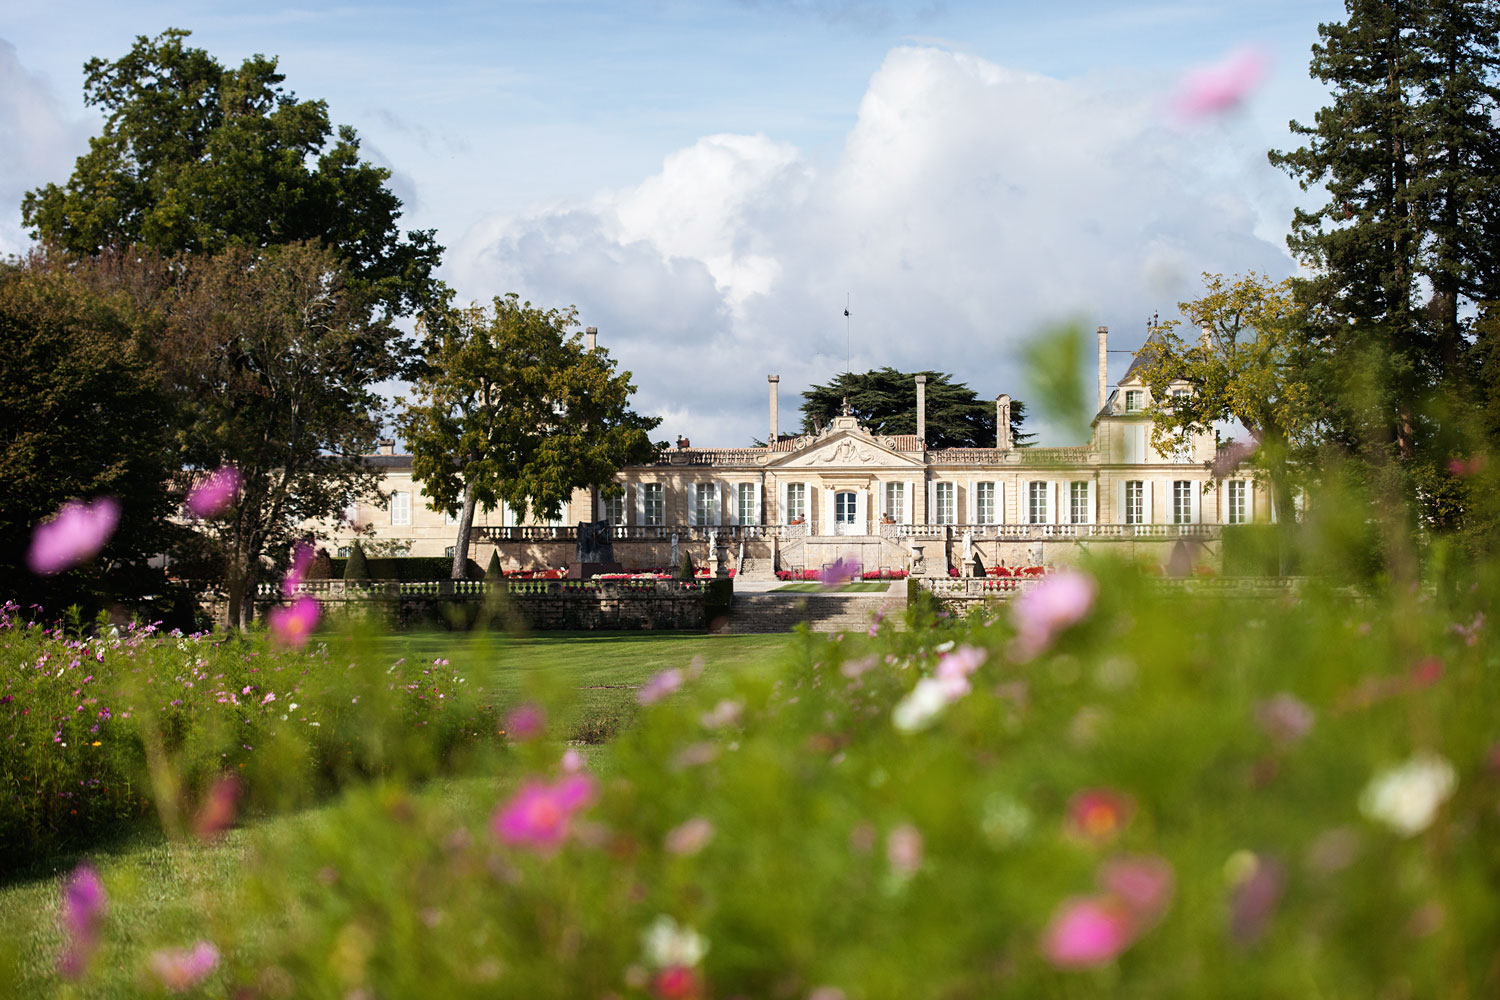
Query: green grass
point(863, 587)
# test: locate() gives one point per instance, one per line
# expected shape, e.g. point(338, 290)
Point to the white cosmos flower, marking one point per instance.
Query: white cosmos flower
point(1406, 798)
point(668, 944)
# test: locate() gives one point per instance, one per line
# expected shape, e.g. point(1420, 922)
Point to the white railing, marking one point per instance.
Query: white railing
point(344, 590)
point(1249, 586)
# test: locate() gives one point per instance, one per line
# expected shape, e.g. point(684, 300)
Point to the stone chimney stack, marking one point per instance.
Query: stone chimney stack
point(591, 334)
point(1002, 422)
point(387, 447)
point(775, 433)
point(1103, 365)
point(922, 410)
point(1208, 336)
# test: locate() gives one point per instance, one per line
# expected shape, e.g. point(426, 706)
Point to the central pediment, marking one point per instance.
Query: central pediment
point(846, 445)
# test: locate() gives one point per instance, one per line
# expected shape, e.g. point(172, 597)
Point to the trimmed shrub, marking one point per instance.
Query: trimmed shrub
point(494, 571)
point(356, 568)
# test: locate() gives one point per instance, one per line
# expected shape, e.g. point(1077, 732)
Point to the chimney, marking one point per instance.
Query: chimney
point(773, 380)
point(387, 446)
point(1103, 364)
point(1208, 337)
point(1002, 421)
point(591, 334)
point(922, 410)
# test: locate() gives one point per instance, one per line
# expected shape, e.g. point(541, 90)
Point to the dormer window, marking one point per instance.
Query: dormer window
point(1135, 400)
point(1179, 397)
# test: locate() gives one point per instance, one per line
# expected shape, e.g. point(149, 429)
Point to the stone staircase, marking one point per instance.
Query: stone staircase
point(782, 612)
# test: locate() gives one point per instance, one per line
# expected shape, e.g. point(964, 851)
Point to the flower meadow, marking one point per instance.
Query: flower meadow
point(100, 734)
point(1101, 791)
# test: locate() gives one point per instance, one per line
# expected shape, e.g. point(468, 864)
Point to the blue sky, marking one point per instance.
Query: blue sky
point(707, 181)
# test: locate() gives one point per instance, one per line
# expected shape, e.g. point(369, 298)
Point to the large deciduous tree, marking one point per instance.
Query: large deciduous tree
point(196, 157)
point(83, 416)
point(511, 407)
point(885, 401)
point(275, 358)
point(1245, 360)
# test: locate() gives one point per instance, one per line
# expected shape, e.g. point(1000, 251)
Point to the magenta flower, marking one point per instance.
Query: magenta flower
point(1285, 718)
point(526, 723)
point(291, 624)
point(1087, 932)
point(690, 837)
point(73, 536)
point(1222, 87)
point(1256, 895)
point(302, 557)
point(214, 493)
point(179, 970)
point(960, 664)
point(1142, 884)
point(841, 571)
point(660, 686)
point(903, 849)
point(539, 815)
point(217, 812)
point(83, 904)
point(1097, 814)
point(1050, 607)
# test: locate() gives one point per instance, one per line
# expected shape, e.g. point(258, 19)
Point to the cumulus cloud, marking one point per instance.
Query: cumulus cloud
point(970, 206)
point(38, 142)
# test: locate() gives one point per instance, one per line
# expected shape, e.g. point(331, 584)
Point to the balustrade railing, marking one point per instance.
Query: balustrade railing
point(735, 532)
point(344, 590)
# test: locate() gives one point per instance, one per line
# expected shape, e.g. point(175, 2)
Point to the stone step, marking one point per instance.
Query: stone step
point(782, 612)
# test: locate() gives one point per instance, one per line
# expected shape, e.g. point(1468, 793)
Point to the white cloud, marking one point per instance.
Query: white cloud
point(970, 205)
point(38, 143)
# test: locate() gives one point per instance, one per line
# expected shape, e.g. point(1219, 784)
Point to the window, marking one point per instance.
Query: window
point(895, 502)
point(706, 503)
point(448, 552)
point(744, 503)
point(450, 518)
point(1239, 502)
point(796, 502)
point(614, 509)
point(946, 494)
point(1179, 397)
point(1182, 502)
point(1182, 450)
point(1135, 502)
point(1135, 400)
point(1036, 503)
point(1078, 503)
point(400, 508)
point(984, 503)
point(345, 551)
point(653, 504)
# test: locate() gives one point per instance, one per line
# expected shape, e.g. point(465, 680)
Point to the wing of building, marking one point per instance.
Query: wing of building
point(886, 502)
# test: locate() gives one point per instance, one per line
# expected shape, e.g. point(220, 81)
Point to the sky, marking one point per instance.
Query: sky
point(710, 183)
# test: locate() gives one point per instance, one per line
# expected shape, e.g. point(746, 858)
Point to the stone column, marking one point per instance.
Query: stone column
point(922, 411)
point(1002, 422)
point(591, 335)
point(1103, 364)
point(771, 441)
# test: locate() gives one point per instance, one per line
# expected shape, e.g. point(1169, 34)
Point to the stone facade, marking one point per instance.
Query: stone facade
point(885, 502)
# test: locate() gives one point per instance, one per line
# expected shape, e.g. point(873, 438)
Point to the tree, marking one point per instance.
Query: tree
point(195, 157)
point(1409, 154)
point(1247, 362)
point(885, 401)
point(84, 417)
point(510, 407)
point(275, 358)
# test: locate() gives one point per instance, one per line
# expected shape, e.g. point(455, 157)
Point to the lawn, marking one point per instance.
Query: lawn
point(863, 587)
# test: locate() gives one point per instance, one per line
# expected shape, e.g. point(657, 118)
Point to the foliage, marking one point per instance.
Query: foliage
point(511, 407)
point(356, 568)
point(1054, 359)
point(83, 416)
point(276, 361)
point(111, 731)
point(493, 570)
point(198, 157)
point(685, 568)
point(1303, 792)
point(885, 401)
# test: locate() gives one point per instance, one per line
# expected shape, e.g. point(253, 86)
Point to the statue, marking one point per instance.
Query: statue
point(968, 559)
point(674, 550)
point(595, 551)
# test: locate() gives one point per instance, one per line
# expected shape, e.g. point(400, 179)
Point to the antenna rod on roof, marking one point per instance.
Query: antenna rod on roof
point(848, 354)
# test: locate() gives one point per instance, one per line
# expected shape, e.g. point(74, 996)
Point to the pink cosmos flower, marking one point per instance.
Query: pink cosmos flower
point(677, 982)
point(1098, 814)
point(302, 557)
point(1044, 611)
point(1254, 900)
point(83, 904)
point(538, 816)
point(525, 722)
point(1427, 672)
point(291, 624)
point(218, 809)
point(1222, 87)
point(660, 686)
point(1285, 718)
point(690, 837)
point(179, 971)
point(840, 571)
point(1087, 932)
point(1142, 884)
point(573, 761)
point(959, 664)
point(214, 493)
point(1471, 466)
point(903, 849)
point(73, 536)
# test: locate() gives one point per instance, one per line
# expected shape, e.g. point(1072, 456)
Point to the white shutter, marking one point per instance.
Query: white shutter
point(1052, 489)
point(1195, 501)
point(760, 517)
point(880, 501)
point(692, 498)
point(1121, 514)
point(862, 511)
point(1249, 501)
point(911, 502)
point(999, 502)
point(971, 505)
point(1092, 505)
point(1148, 514)
point(829, 525)
point(732, 491)
point(781, 515)
point(932, 503)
